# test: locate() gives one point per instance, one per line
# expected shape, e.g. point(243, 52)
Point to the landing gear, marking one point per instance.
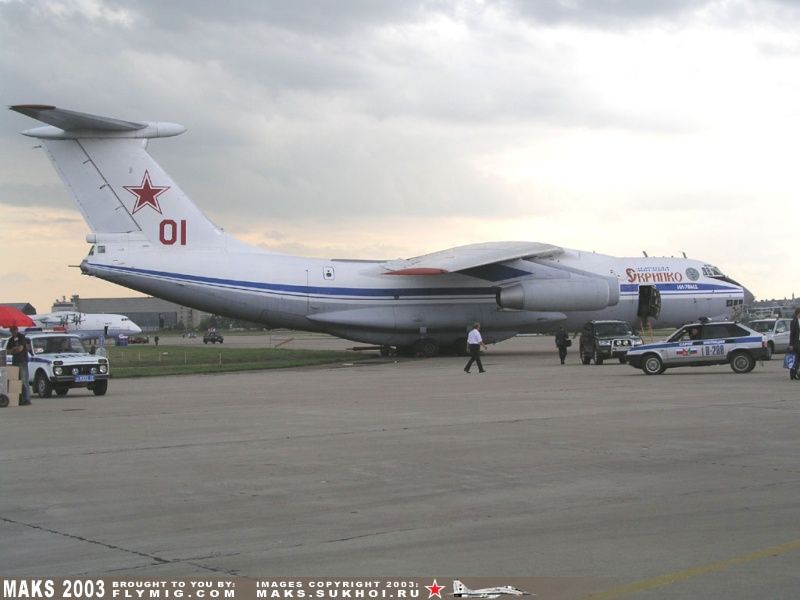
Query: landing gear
point(426, 347)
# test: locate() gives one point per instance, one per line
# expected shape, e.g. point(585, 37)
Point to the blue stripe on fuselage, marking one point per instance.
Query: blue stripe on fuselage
point(305, 289)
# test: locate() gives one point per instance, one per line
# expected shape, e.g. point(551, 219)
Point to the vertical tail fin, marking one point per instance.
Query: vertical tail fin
point(459, 588)
point(117, 185)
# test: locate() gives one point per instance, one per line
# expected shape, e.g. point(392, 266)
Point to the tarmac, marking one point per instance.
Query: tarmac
point(583, 479)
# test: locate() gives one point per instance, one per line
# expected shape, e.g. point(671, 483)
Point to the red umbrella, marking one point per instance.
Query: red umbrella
point(11, 316)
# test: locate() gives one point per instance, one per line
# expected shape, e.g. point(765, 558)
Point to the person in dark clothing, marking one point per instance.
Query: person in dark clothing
point(794, 342)
point(562, 343)
point(18, 347)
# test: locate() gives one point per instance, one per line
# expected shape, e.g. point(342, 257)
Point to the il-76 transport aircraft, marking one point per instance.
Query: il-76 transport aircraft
point(147, 235)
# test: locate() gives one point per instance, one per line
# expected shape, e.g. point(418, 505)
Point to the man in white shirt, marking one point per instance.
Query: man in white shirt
point(475, 343)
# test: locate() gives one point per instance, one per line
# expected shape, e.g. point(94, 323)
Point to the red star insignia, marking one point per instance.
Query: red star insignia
point(435, 590)
point(146, 194)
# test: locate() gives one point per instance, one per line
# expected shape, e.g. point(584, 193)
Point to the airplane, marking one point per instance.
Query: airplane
point(462, 591)
point(147, 235)
point(87, 325)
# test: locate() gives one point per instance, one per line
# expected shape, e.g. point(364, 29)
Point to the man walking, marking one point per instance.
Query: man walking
point(475, 343)
point(562, 342)
point(18, 347)
point(794, 342)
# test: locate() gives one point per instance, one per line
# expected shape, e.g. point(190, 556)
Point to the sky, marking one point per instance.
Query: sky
point(366, 129)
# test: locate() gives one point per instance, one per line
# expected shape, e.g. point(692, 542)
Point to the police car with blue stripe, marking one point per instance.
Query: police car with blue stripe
point(62, 362)
point(702, 344)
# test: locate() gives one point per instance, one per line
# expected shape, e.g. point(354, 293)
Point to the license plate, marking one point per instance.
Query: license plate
point(84, 378)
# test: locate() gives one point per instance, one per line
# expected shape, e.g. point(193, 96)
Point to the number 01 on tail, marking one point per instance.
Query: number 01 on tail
point(170, 232)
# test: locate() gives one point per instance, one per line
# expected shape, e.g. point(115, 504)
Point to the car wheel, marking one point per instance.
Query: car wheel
point(742, 362)
point(770, 350)
point(622, 359)
point(585, 358)
point(597, 357)
point(205, 341)
point(3, 401)
point(62, 391)
point(100, 387)
point(42, 385)
point(652, 365)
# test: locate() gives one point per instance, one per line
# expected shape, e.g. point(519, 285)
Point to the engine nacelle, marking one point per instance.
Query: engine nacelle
point(574, 293)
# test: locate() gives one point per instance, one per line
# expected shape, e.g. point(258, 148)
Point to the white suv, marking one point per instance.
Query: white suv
point(776, 330)
point(60, 362)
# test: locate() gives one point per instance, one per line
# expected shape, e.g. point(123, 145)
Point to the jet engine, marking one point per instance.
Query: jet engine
point(573, 293)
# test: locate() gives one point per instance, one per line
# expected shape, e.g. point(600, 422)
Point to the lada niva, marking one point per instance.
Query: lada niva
point(61, 362)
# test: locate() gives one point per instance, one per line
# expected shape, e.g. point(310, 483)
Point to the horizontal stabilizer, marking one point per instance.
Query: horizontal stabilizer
point(70, 119)
point(71, 125)
point(461, 258)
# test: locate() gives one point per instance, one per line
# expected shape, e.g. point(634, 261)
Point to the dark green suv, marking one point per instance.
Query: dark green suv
point(606, 339)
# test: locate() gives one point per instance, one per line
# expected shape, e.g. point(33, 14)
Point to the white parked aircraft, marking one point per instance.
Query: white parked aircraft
point(88, 325)
point(462, 591)
point(147, 235)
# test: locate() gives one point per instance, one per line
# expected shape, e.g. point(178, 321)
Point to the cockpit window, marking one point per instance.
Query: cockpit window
point(712, 271)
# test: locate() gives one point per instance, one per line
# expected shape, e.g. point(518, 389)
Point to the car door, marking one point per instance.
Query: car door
point(718, 339)
point(684, 346)
point(780, 336)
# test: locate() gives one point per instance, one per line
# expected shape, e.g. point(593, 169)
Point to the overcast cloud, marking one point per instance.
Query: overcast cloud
point(396, 128)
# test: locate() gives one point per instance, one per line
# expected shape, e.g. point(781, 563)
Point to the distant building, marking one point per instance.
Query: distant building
point(151, 314)
point(23, 307)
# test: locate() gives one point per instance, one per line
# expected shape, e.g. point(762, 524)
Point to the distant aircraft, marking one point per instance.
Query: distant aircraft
point(462, 591)
point(147, 235)
point(89, 325)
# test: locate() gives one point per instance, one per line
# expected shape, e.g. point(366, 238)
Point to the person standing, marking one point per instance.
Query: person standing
point(562, 343)
point(794, 343)
point(19, 347)
point(475, 343)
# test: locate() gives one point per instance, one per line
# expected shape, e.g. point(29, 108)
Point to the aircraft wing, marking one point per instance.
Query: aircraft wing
point(70, 119)
point(468, 257)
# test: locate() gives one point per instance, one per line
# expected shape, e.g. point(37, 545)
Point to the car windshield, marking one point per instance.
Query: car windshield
point(612, 329)
point(56, 344)
point(762, 326)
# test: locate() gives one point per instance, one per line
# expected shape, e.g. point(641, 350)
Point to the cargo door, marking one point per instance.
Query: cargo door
point(649, 302)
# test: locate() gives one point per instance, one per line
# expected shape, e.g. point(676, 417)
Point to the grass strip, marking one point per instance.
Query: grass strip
point(151, 361)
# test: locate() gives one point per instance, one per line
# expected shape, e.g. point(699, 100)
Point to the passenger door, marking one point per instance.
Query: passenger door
point(717, 341)
point(686, 346)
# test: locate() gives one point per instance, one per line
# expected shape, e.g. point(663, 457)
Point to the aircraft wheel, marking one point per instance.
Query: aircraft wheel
point(653, 365)
point(742, 362)
point(42, 384)
point(427, 347)
point(100, 387)
point(386, 350)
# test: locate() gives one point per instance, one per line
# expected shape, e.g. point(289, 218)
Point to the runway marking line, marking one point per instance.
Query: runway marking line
point(686, 574)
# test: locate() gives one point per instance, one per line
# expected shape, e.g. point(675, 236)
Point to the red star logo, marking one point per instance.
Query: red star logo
point(146, 194)
point(435, 590)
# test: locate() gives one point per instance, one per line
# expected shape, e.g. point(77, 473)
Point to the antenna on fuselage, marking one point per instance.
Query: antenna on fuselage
point(645, 254)
point(684, 255)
